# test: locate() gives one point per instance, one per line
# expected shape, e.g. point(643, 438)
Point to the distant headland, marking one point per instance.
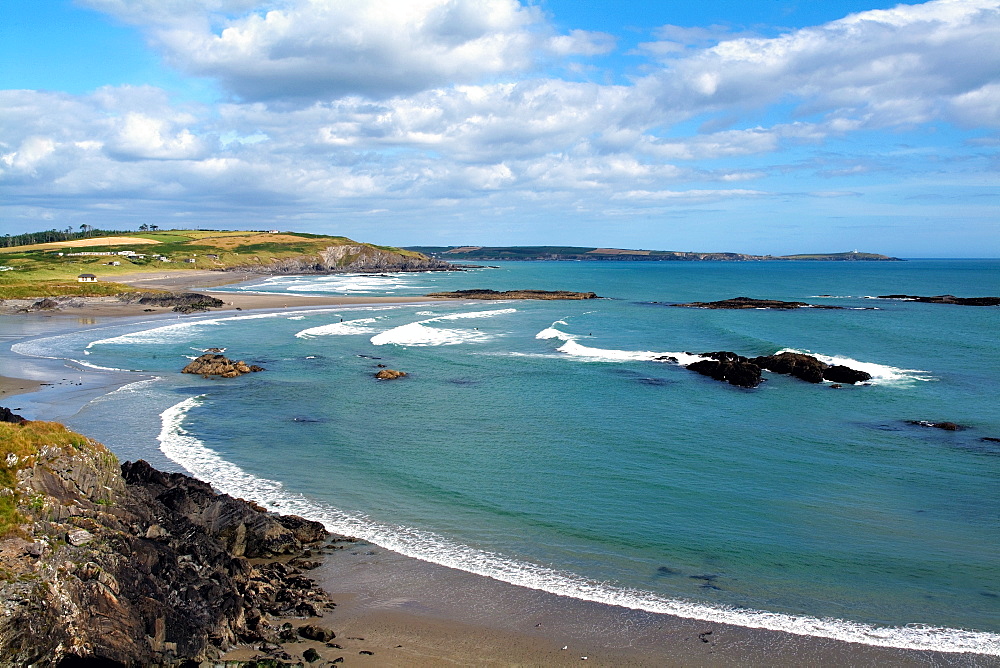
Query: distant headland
point(623, 254)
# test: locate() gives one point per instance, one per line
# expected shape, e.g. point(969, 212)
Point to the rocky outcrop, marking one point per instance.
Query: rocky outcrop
point(7, 415)
point(729, 367)
point(215, 364)
point(390, 374)
point(751, 303)
point(948, 299)
point(182, 302)
point(134, 567)
point(514, 294)
point(352, 258)
point(746, 372)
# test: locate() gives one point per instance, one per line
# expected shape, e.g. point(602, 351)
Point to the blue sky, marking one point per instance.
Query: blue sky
point(772, 127)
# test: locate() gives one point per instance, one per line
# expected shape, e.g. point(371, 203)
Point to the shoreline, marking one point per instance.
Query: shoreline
point(442, 615)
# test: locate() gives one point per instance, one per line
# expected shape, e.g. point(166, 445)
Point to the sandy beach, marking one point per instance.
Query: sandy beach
point(397, 611)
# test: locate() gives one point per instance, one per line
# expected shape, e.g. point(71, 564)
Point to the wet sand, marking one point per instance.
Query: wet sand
point(12, 386)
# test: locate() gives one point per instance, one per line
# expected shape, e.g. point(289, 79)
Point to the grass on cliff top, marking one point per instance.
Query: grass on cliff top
point(33, 271)
point(19, 446)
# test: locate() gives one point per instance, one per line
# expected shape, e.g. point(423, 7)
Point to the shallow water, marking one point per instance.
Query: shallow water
point(538, 443)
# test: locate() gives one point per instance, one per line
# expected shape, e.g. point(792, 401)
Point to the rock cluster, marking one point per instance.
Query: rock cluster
point(390, 374)
point(215, 364)
point(514, 294)
point(746, 371)
point(133, 566)
point(751, 303)
point(948, 299)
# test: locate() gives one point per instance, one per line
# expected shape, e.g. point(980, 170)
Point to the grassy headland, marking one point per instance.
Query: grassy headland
point(623, 254)
point(51, 269)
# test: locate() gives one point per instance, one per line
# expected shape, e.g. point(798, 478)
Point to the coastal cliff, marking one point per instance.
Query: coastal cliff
point(102, 564)
point(353, 258)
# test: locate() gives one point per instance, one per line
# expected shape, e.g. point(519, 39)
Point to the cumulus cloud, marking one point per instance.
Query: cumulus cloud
point(897, 67)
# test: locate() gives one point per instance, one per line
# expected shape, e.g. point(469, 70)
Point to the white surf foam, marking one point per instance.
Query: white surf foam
point(358, 326)
point(419, 334)
point(882, 374)
point(571, 346)
point(97, 367)
point(188, 451)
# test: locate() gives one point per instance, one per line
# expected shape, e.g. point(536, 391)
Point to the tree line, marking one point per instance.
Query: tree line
point(86, 232)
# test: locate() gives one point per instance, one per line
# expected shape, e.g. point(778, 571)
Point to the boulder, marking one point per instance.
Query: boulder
point(390, 374)
point(214, 364)
point(729, 367)
point(838, 373)
point(805, 367)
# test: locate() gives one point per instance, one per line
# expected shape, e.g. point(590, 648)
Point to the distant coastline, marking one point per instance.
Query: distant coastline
point(584, 253)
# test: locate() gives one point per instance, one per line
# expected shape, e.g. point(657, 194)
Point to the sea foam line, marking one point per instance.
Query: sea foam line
point(202, 462)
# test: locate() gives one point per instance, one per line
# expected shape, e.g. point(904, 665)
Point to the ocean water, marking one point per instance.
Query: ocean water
point(539, 443)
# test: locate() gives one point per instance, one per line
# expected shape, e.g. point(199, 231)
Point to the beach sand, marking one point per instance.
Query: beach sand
point(408, 612)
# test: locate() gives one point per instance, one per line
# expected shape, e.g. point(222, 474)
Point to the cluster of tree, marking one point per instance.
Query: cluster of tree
point(86, 232)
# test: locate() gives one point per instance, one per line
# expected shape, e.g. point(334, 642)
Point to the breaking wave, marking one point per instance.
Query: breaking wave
point(188, 451)
point(419, 334)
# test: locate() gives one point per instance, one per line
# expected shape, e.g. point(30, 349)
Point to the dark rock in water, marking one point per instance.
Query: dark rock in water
point(666, 570)
point(390, 374)
point(214, 364)
point(514, 294)
point(729, 367)
point(948, 299)
point(805, 367)
point(751, 303)
point(946, 426)
point(836, 386)
point(6, 415)
point(838, 373)
point(990, 439)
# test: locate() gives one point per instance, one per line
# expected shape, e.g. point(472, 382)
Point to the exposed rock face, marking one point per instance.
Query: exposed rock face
point(514, 294)
point(730, 367)
point(838, 373)
point(358, 258)
point(749, 302)
point(6, 415)
point(390, 374)
point(214, 364)
point(948, 299)
point(183, 302)
point(136, 567)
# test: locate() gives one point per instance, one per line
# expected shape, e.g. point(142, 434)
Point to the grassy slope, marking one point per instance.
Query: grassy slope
point(19, 448)
point(38, 271)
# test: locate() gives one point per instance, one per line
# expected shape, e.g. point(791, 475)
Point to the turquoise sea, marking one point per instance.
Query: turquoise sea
point(539, 443)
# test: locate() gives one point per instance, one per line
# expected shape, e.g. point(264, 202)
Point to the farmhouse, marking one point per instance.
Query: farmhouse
point(86, 278)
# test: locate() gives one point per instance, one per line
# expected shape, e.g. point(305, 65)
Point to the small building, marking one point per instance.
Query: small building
point(212, 255)
point(86, 278)
point(163, 258)
point(115, 263)
point(190, 260)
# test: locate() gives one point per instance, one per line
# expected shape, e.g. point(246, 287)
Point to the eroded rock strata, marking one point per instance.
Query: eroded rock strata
point(514, 294)
point(130, 566)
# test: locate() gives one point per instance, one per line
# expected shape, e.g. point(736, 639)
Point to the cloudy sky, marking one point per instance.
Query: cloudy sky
point(769, 127)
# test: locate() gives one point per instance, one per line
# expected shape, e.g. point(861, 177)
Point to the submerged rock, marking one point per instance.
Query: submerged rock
point(948, 299)
point(946, 426)
point(514, 294)
point(215, 364)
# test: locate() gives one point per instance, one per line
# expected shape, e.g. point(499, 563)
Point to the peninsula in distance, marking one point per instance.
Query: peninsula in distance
point(626, 254)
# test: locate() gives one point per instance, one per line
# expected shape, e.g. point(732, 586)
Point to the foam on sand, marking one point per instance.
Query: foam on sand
point(204, 463)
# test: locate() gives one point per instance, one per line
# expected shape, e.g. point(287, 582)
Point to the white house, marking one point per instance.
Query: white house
point(86, 278)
